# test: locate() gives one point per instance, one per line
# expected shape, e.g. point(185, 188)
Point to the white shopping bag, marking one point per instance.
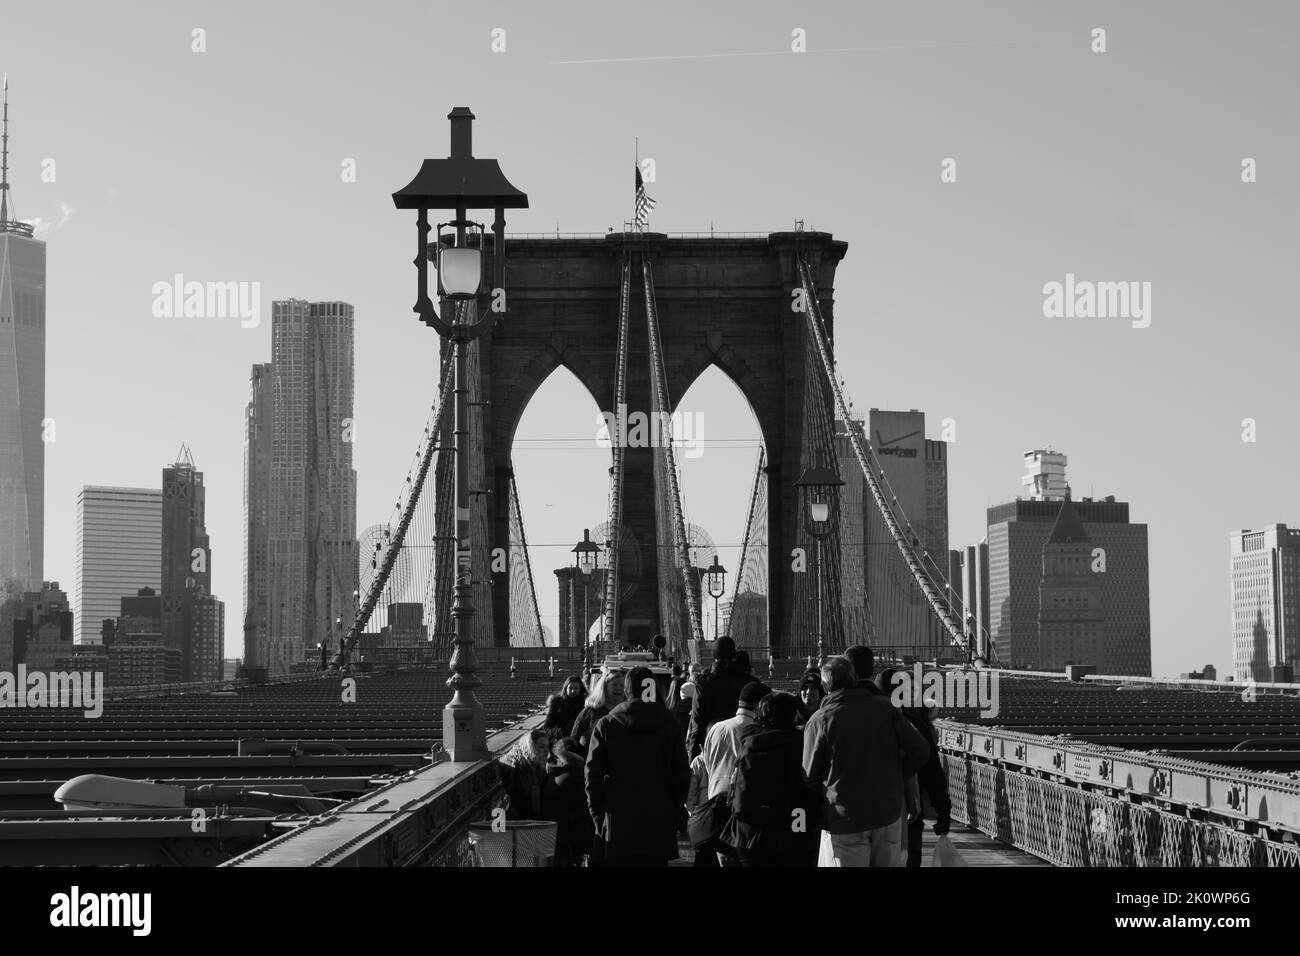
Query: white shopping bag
point(945, 854)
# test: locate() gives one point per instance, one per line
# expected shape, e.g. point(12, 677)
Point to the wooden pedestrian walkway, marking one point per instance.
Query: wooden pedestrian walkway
point(976, 848)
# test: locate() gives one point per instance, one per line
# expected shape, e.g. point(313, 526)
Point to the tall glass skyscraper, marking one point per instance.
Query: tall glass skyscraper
point(22, 390)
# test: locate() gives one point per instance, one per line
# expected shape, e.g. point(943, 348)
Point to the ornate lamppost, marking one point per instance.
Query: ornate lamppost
point(461, 183)
point(818, 487)
point(716, 577)
point(586, 559)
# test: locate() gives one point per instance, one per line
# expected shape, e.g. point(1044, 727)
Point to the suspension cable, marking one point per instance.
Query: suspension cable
point(660, 386)
point(919, 573)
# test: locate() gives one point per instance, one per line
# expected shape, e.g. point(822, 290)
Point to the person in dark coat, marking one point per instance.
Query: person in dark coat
point(811, 692)
point(774, 818)
point(931, 779)
point(562, 709)
point(564, 800)
point(637, 777)
point(717, 693)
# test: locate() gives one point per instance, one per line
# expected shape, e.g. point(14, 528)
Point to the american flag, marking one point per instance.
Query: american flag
point(643, 202)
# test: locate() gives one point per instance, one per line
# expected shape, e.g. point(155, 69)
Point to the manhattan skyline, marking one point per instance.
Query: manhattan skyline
point(1123, 166)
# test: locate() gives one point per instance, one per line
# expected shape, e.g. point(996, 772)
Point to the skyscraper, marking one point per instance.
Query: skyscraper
point(1265, 601)
point(119, 551)
point(1069, 595)
point(1018, 534)
point(22, 388)
point(881, 602)
point(188, 605)
point(258, 425)
point(312, 541)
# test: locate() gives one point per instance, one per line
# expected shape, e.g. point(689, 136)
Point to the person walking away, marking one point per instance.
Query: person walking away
point(721, 747)
point(744, 665)
point(606, 694)
point(857, 751)
point(864, 663)
point(774, 810)
point(931, 779)
point(716, 693)
point(637, 778)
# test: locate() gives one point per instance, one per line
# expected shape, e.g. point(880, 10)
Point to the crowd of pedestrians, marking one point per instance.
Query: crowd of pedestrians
point(832, 775)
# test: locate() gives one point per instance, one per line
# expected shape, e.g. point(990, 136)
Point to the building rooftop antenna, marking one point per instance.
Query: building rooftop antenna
point(6, 224)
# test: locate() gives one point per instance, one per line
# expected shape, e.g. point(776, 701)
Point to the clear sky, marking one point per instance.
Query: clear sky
point(1118, 166)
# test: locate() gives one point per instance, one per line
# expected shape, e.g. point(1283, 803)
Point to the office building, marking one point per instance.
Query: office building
point(137, 656)
point(187, 602)
point(1018, 533)
point(118, 551)
point(42, 632)
point(881, 602)
point(1265, 597)
point(1070, 622)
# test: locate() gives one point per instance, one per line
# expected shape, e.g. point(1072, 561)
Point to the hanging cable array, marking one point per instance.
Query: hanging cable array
point(924, 572)
point(667, 486)
point(388, 551)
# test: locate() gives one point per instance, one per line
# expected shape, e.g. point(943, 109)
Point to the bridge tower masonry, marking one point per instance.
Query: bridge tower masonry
point(725, 301)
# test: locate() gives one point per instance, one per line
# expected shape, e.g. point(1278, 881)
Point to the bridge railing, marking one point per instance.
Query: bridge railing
point(1073, 803)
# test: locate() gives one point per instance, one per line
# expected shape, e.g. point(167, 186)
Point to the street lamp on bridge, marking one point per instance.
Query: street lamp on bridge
point(818, 487)
point(716, 576)
point(461, 182)
point(586, 559)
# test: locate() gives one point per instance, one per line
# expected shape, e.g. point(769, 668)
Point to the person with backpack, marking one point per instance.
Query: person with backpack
point(773, 808)
point(721, 747)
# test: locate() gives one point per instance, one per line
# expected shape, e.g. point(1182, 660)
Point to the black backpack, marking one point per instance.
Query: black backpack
point(767, 787)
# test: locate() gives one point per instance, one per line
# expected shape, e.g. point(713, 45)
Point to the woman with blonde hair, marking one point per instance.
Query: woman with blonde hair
point(606, 694)
point(522, 769)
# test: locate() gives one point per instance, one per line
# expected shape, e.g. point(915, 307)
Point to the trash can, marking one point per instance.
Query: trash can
point(514, 843)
